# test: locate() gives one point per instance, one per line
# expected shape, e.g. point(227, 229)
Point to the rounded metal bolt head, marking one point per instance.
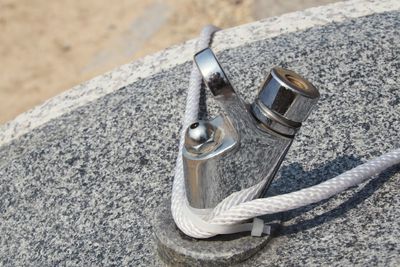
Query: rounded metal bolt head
point(199, 136)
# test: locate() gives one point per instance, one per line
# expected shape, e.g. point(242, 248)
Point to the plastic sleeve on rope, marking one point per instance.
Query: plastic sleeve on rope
point(227, 217)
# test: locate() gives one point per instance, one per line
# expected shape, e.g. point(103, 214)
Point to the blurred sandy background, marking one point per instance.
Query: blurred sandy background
point(47, 47)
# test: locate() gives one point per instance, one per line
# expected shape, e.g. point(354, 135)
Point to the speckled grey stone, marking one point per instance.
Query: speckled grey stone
point(163, 60)
point(177, 249)
point(82, 188)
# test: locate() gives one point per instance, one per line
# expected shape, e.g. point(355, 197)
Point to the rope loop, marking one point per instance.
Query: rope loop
point(228, 216)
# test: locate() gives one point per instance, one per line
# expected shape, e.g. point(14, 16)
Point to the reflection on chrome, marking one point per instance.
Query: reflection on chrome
point(245, 147)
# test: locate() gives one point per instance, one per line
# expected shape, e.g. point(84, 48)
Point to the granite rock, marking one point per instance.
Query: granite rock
point(177, 249)
point(82, 188)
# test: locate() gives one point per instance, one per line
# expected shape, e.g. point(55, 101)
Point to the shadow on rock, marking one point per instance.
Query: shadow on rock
point(293, 178)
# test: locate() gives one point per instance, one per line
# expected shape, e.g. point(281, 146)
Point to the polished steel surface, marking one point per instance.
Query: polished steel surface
point(286, 98)
point(201, 136)
point(213, 75)
point(245, 147)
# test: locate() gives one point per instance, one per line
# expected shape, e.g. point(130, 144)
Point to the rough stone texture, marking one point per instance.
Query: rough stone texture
point(128, 74)
point(82, 189)
point(178, 249)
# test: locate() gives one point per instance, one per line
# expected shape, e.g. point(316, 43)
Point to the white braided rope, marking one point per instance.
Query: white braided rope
point(179, 203)
point(227, 217)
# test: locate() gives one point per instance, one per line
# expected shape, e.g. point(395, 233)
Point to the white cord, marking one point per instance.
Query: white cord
point(227, 217)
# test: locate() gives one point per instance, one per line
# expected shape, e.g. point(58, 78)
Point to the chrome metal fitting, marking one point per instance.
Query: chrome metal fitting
point(246, 146)
point(285, 100)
